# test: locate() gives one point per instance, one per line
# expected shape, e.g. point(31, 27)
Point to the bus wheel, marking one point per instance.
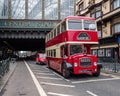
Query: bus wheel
point(65, 71)
point(97, 73)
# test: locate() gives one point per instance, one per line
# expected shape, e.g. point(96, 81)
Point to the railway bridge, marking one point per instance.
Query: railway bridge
point(24, 23)
point(25, 34)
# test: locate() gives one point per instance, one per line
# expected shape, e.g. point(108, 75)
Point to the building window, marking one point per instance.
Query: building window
point(91, 2)
point(94, 52)
point(66, 8)
point(81, 6)
point(3, 9)
point(96, 12)
point(93, 15)
point(108, 52)
point(115, 4)
point(116, 28)
point(99, 33)
point(101, 53)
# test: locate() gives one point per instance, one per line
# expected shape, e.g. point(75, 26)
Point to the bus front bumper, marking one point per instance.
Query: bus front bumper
point(85, 70)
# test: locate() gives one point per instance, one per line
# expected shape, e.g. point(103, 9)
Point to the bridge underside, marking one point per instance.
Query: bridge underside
point(24, 39)
point(25, 44)
point(23, 33)
point(26, 35)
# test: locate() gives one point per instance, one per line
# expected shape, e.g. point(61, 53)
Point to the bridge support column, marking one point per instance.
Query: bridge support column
point(26, 9)
point(9, 9)
point(43, 12)
point(59, 10)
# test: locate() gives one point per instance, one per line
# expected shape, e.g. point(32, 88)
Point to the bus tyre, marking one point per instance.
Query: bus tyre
point(65, 71)
point(97, 73)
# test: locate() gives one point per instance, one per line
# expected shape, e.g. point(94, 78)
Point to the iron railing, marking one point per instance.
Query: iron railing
point(4, 67)
point(110, 64)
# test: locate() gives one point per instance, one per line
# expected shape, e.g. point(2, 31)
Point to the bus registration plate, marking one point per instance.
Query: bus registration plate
point(85, 71)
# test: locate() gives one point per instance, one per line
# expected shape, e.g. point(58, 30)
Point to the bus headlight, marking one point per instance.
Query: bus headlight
point(95, 63)
point(75, 64)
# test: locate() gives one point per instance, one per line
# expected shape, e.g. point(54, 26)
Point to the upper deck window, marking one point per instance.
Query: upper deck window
point(89, 25)
point(63, 26)
point(75, 24)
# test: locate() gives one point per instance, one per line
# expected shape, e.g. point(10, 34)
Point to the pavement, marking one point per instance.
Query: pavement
point(13, 65)
point(18, 81)
point(112, 72)
point(7, 76)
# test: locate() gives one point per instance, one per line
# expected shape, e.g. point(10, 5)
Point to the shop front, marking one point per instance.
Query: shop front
point(108, 47)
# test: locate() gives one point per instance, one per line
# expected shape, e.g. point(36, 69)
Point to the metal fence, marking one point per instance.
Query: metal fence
point(110, 64)
point(4, 67)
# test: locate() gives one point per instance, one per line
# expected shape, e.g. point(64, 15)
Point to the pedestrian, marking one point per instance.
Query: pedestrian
point(116, 57)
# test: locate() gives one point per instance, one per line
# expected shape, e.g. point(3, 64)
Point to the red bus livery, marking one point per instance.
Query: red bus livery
point(68, 46)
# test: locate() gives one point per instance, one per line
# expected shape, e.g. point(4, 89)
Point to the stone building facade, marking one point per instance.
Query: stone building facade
point(107, 14)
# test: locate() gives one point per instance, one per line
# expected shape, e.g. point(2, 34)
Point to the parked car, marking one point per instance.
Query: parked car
point(41, 58)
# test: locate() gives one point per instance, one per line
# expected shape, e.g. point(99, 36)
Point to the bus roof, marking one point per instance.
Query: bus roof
point(79, 17)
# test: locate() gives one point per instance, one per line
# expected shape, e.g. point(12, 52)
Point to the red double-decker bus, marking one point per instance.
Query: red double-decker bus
point(68, 46)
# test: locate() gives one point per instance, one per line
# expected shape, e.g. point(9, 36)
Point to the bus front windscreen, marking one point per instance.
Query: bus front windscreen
point(74, 24)
point(75, 49)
